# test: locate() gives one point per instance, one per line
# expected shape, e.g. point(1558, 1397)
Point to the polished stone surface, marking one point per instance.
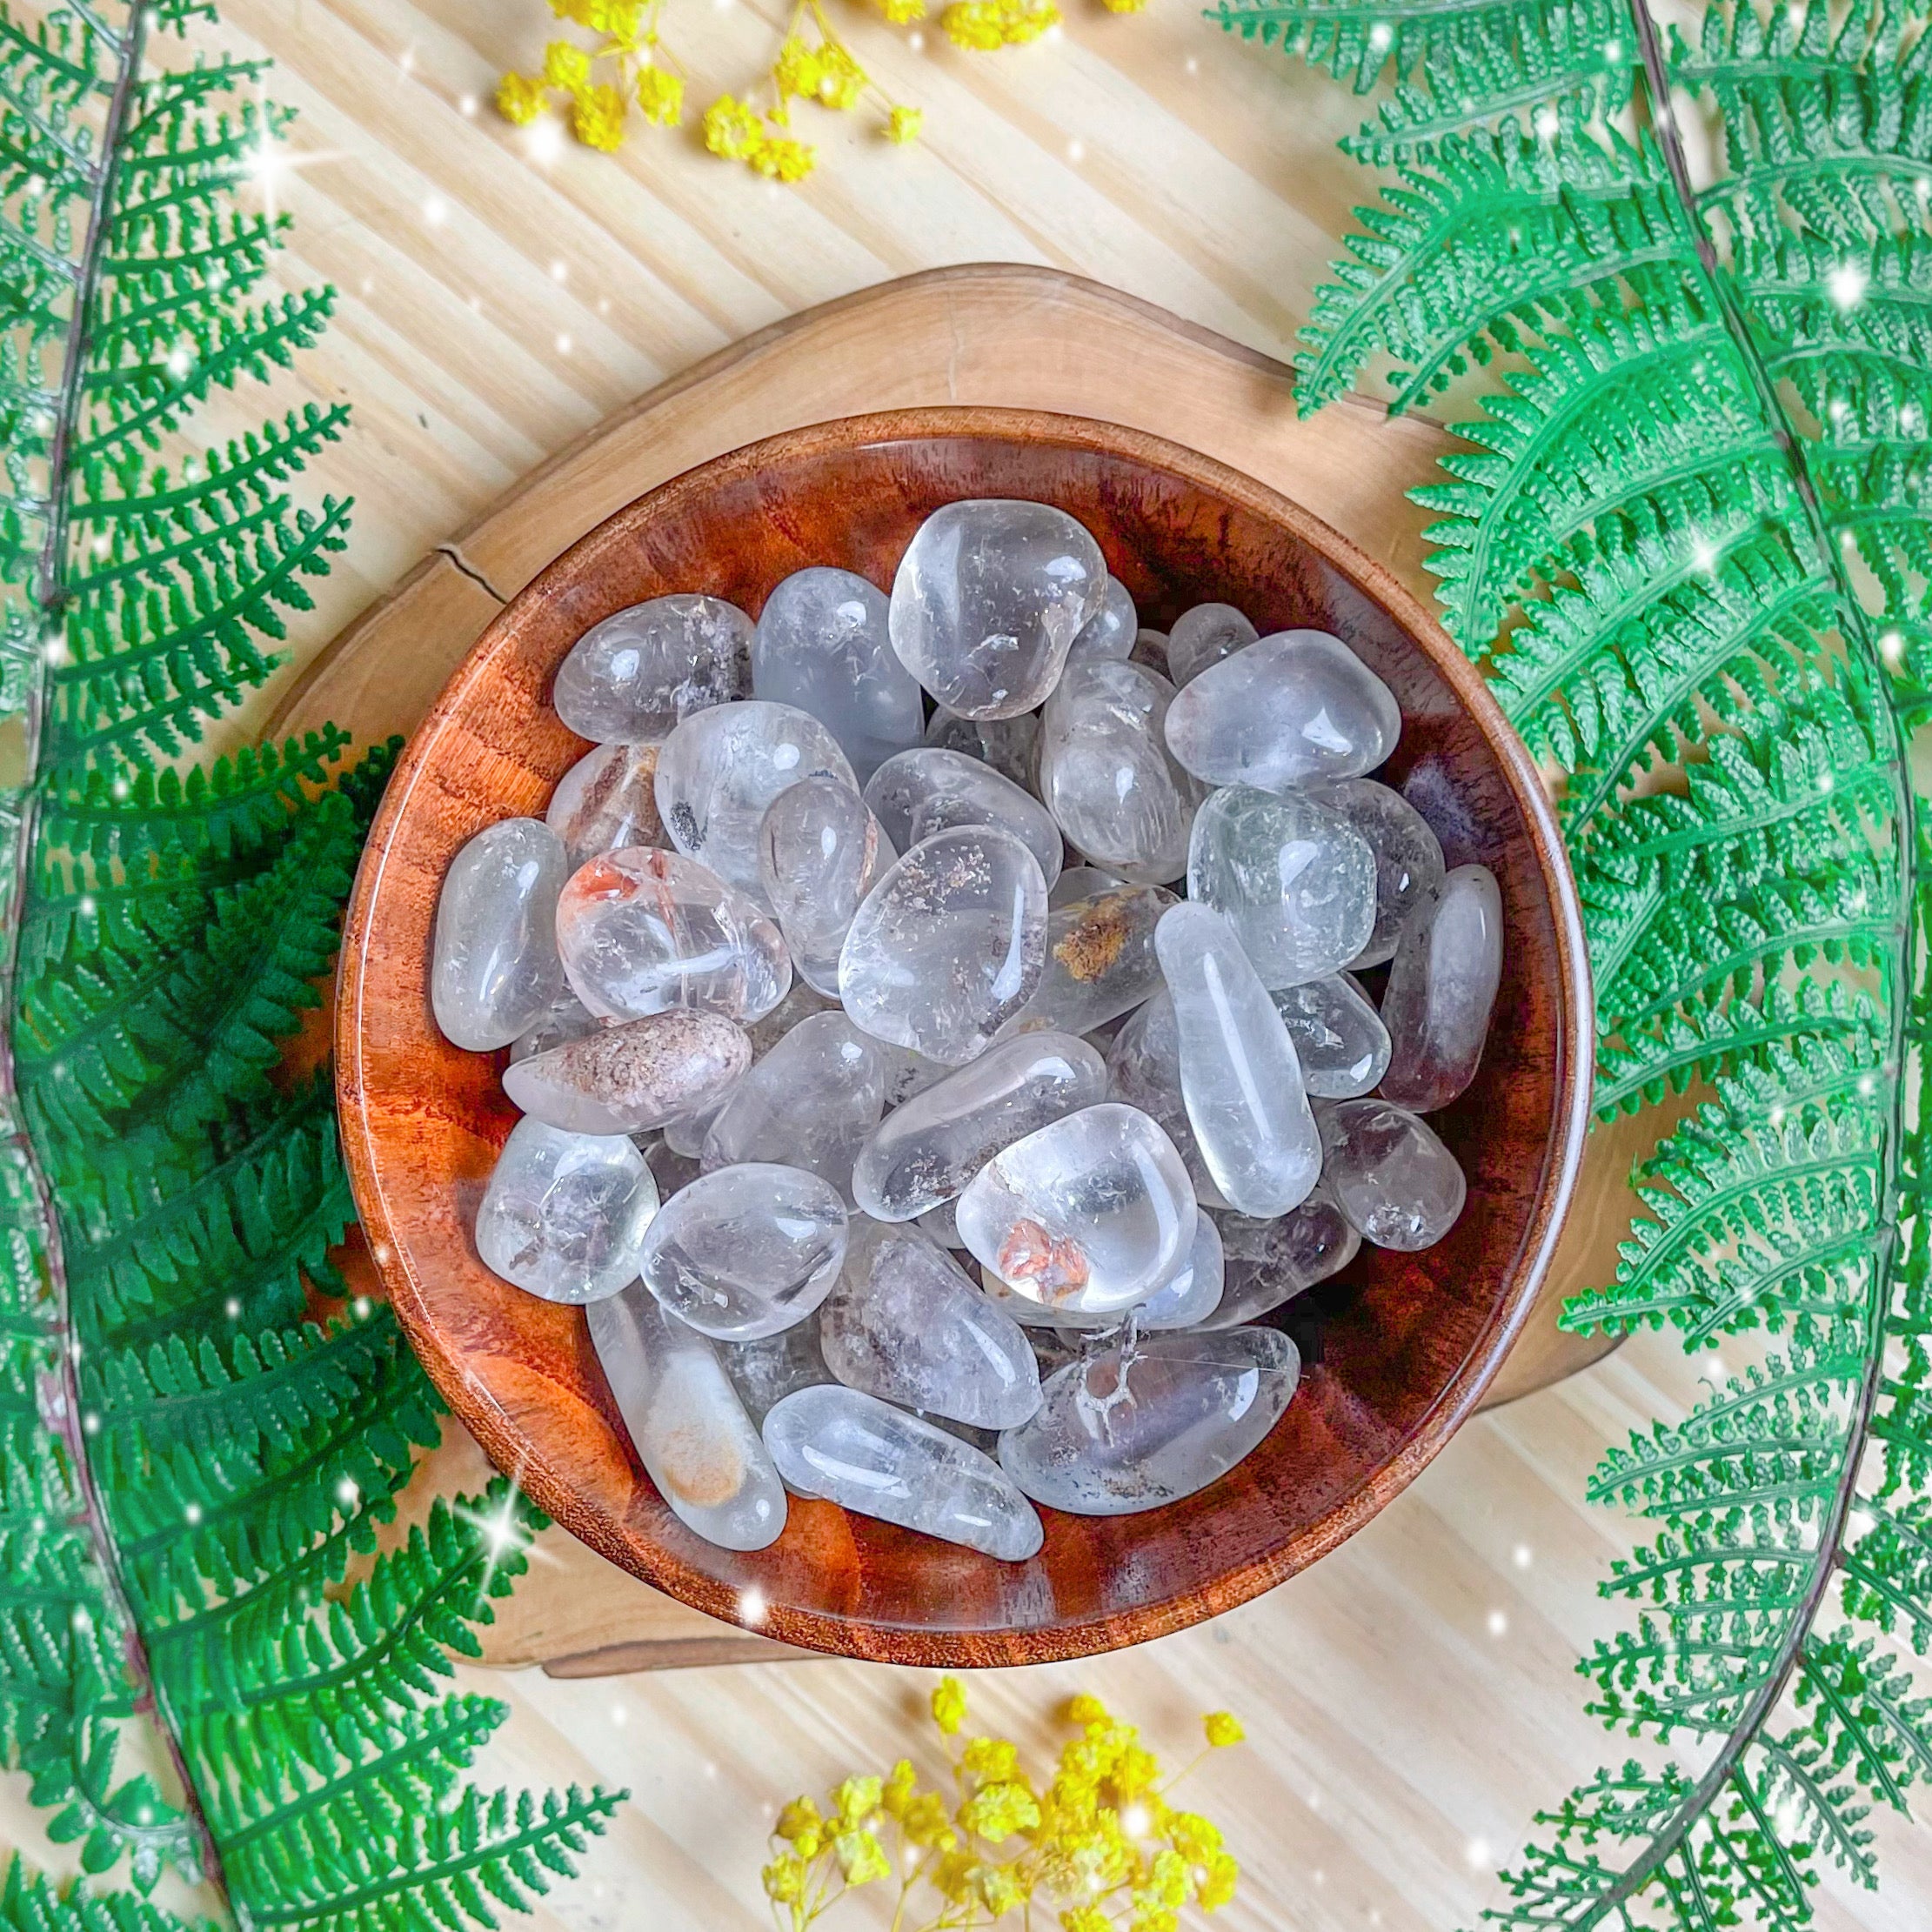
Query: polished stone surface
point(605, 801)
point(1443, 988)
point(1393, 1176)
point(630, 1077)
point(636, 676)
point(821, 851)
point(931, 790)
point(493, 968)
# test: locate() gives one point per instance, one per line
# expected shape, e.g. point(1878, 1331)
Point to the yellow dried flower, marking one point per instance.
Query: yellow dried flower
point(999, 1889)
point(1167, 1879)
point(1217, 1886)
point(1222, 1727)
point(841, 80)
point(597, 117)
point(856, 1799)
point(861, 1857)
point(797, 1818)
point(995, 1812)
point(989, 24)
point(903, 13)
point(796, 70)
point(1085, 1918)
point(1124, 6)
point(780, 158)
point(622, 17)
point(784, 1879)
point(992, 1758)
point(1193, 1836)
point(520, 98)
point(949, 1705)
point(925, 1821)
point(566, 66)
point(1154, 1918)
point(732, 128)
point(1085, 1710)
point(895, 1794)
point(905, 124)
point(661, 95)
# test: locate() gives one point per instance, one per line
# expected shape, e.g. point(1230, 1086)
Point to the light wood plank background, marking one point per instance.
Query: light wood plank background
point(1411, 1700)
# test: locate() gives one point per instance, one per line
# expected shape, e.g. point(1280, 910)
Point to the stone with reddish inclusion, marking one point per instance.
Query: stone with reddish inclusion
point(1271, 1261)
point(1408, 855)
point(1339, 1037)
point(642, 931)
point(1204, 636)
point(1441, 989)
point(927, 790)
point(606, 801)
point(1101, 960)
point(628, 1079)
point(906, 1324)
point(636, 676)
point(493, 969)
point(877, 1461)
point(1186, 1299)
point(948, 946)
point(1146, 1423)
point(690, 1431)
point(987, 601)
point(1111, 631)
point(821, 851)
point(1092, 1212)
point(1391, 1175)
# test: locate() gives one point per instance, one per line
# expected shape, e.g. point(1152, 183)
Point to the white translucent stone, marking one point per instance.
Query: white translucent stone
point(1193, 1292)
point(988, 599)
point(1107, 776)
point(642, 931)
point(1143, 1069)
point(493, 971)
point(1294, 709)
point(566, 1215)
point(907, 1074)
point(1270, 1262)
point(928, 1150)
point(1130, 1430)
point(1295, 883)
point(1408, 856)
point(1091, 1213)
point(1339, 1037)
point(1204, 636)
point(1393, 1179)
point(1150, 648)
point(821, 851)
point(566, 1019)
point(686, 1135)
point(821, 644)
point(605, 801)
point(923, 791)
point(627, 1078)
point(906, 1324)
point(1006, 744)
point(634, 677)
point(877, 1461)
point(942, 1224)
point(810, 1103)
point(1078, 882)
point(948, 946)
point(1111, 631)
point(720, 769)
point(1101, 961)
point(691, 1432)
point(1238, 1075)
point(765, 1371)
point(745, 1252)
point(1441, 989)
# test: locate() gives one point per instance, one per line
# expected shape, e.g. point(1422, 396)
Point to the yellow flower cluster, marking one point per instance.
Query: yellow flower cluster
point(1101, 1843)
point(986, 24)
point(597, 108)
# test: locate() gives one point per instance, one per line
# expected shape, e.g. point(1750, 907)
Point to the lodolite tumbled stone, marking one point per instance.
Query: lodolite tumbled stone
point(1339, 1037)
point(636, 676)
point(630, 1078)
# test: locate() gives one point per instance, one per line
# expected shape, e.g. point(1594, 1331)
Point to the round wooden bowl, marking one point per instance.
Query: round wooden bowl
point(1398, 1349)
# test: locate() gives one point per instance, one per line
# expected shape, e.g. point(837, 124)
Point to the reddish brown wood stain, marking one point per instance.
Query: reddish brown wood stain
point(1405, 1343)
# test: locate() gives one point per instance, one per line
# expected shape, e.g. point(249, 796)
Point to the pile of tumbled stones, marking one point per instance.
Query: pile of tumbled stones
point(805, 1009)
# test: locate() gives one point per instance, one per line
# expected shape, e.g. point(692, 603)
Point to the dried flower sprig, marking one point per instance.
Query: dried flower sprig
point(646, 72)
point(1102, 1845)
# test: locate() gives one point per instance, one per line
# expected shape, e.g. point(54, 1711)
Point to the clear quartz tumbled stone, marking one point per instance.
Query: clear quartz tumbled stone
point(821, 645)
point(606, 801)
point(1191, 1295)
point(987, 601)
point(1295, 708)
point(493, 971)
point(1278, 1259)
point(745, 1252)
point(923, 791)
point(765, 1371)
point(1339, 1037)
point(820, 849)
point(948, 946)
point(638, 674)
point(642, 931)
point(1101, 960)
point(566, 1215)
point(1441, 989)
point(877, 1461)
point(629, 1079)
point(565, 1017)
point(1393, 1177)
point(1408, 856)
point(1006, 744)
point(1091, 1213)
point(1131, 1430)
point(1107, 776)
point(1143, 1069)
point(1111, 631)
point(1295, 883)
point(720, 769)
point(690, 1431)
point(1204, 636)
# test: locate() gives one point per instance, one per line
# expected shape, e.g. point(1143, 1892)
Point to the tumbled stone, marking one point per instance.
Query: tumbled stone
point(670, 1169)
point(1150, 648)
point(1408, 856)
point(636, 676)
point(1078, 882)
point(567, 1017)
point(821, 645)
point(1111, 631)
point(821, 851)
point(605, 801)
point(1101, 961)
point(1130, 1430)
point(1143, 1069)
point(1294, 709)
point(1339, 1037)
point(942, 1224)
point(1204, 636)
point(923, 791)
point(1091, 1213)
point(642, 931)
point(690, 1431)
point(948, 946)
point(1107, 776)
point(907, 1074)
point(686, 1135)
point(566, 1215)
point(1441, 989)
point(1006, 744)
point(720, 769)
point(1297, 886)
point(628, 1079)
point(1271, 1261)
point(877, 1461)
point(799, 1003)
point(765, 1371)
point(1393, 1179)
point(745, 1252)
point(810, 1103)
point(493, 969)
point(926, 1152)
point(1038, 1319)
point(906, 1324)
point(1239, 1074)
point(1193, 1292)
point(988, 599)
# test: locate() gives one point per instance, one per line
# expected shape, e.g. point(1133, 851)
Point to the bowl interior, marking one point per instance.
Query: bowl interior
point(1397, 1349)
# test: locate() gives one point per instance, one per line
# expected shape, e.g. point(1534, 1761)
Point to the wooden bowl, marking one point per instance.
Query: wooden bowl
point(1398, 1349)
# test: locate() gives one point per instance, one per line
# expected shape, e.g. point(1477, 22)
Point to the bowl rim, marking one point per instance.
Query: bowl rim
point(510, 1448)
